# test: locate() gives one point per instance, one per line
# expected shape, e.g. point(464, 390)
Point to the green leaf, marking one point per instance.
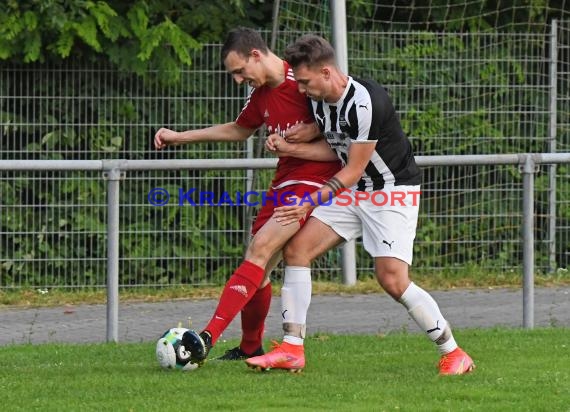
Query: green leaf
point(87, 31)
point(150, 40)
point(64, 43)
point(30, 20)
point(32, 48)
point(11, 26)
point(182, 43)
point(138, 20)
point(50, 139)
point(5, 49)
point(103, 13)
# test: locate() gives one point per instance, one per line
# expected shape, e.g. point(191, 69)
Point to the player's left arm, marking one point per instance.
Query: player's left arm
point(302, 133)
point(359, 154)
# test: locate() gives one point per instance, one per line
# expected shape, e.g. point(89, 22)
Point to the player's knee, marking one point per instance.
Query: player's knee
point(293, 254)
point(260, 250)
point(393, 282)
point(394, 289)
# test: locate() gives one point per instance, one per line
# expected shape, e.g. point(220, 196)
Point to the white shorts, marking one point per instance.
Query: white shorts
point(386, 219)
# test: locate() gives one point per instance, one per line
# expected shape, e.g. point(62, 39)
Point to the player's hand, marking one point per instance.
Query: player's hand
point(302, 133)
point(276, 144)
point(165, 137)
point(272, 142)
point(297, 209)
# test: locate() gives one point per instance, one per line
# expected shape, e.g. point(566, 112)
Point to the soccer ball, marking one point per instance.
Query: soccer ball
point(171, 353)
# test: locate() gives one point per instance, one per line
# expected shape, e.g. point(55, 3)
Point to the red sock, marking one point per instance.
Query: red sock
point(253, 319)
point(239, 289)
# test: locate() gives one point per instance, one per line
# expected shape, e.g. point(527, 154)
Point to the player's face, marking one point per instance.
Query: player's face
point(311, 81)
point(245, 68)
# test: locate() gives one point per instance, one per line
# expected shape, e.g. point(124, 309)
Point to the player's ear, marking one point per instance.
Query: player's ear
point(326, 72)
point(255, 53)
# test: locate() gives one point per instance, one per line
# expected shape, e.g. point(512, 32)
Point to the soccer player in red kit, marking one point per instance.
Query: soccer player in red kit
point(276, 102)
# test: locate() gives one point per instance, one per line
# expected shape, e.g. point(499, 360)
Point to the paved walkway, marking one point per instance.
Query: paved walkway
point(346, 314)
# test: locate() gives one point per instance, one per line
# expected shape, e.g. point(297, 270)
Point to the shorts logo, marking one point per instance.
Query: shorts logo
point(389, 243)
point(241, 289)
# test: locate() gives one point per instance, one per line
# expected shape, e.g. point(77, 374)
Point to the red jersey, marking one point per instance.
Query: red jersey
point(280, 108)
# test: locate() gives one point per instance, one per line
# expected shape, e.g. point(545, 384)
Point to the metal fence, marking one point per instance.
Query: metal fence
point(114, 171)
point(457, 95)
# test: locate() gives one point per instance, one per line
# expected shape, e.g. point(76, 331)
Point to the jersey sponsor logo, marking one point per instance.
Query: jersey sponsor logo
point(334, 137)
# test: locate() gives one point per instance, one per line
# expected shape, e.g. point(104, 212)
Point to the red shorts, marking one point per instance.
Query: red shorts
point(280, 195)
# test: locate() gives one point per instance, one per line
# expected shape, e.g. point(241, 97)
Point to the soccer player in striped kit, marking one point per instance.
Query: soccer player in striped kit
point(361, 125)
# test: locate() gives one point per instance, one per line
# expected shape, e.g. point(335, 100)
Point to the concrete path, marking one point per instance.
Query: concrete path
point(346, 314)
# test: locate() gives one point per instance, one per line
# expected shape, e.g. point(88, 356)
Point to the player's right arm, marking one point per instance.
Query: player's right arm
point(227, 132)
point(317, 150)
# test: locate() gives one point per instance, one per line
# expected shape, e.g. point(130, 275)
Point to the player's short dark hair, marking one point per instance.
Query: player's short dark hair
point(310, 50)
point(243, 40)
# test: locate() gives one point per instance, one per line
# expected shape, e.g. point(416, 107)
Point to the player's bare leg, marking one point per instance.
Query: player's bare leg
point(269, 241)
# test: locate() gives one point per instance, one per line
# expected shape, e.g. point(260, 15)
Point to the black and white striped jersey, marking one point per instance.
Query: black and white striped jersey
point(365, 113)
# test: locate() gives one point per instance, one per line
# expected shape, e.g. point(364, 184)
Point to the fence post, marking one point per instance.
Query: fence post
point(338, 20)
point(528, 168)
point(113, 176)
point(553, 109)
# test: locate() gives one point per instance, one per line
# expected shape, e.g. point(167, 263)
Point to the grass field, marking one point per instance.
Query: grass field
point(517, 370)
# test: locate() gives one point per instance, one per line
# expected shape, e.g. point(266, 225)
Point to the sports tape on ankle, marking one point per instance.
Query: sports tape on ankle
point(295, 329)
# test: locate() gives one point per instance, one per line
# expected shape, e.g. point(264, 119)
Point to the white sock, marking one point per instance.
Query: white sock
point(424, 311)
point(295, 301)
